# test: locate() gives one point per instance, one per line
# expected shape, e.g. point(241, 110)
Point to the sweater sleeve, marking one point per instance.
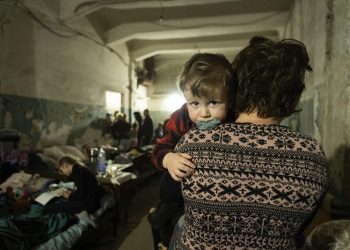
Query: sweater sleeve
point(88, 191)
point(178, 124)
point(79, 181)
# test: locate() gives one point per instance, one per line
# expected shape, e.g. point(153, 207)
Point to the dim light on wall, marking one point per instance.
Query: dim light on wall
point(113, 101)
point(173, 102)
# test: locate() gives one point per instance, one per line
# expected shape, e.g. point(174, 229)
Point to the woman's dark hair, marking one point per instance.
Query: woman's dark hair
point(270, 77)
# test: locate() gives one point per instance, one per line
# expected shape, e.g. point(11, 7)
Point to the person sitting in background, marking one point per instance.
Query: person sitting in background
point(120, 130)
point(133, 134)
point(330, 235)
point(115, 115)
point(158, 132)
point(85, 200)
point(107, 125)
point(256, 183)
point(138, 118)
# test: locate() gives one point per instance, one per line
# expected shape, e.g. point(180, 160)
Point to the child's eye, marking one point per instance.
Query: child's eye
point(213, 103)
point(194, 104)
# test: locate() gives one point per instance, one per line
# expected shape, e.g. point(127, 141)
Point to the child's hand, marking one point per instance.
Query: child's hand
point(178, 165)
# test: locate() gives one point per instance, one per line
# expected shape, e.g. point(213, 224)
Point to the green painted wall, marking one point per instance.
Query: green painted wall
point(42, 122)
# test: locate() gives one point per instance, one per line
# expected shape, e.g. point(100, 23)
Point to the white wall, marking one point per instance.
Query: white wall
point(60, 81)
point(324, 26)
point(37, 63)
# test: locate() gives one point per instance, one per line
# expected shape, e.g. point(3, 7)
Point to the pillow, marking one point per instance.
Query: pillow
point(16, 180)
point(38, 183)
point(74, 151)
point(50, 162)
point(53, 152)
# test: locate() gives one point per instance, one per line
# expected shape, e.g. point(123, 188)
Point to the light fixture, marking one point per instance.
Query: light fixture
point(161, 17)
point(161, 20)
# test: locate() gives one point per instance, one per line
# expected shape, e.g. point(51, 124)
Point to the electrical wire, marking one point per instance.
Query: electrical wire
point(27, 11)
point(99, 43)
point(215, 25)
point(161, 22)
point(93, 4)
point(74, 32)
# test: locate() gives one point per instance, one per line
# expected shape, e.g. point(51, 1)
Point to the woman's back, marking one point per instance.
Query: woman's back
point(253, 188)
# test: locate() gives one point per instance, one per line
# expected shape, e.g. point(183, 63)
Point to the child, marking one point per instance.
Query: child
point(206, 81)
point(207, 84)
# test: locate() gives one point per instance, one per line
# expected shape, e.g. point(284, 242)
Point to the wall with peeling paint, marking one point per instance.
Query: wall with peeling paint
point(53, 88)
point(324, 26)
point(42, 123)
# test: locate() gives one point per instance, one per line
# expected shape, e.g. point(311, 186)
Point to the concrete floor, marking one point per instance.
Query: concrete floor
point(136, 234)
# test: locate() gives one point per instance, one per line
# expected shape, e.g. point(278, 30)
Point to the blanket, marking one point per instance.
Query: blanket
point(24, 231)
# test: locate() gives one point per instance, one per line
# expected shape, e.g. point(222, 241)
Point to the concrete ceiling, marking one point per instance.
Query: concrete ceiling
point(180, 27)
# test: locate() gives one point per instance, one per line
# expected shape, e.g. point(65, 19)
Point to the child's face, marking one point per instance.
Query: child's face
point(206, 109)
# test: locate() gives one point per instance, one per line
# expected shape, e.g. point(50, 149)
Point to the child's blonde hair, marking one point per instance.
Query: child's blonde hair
point(203, 73)
point(331, 235)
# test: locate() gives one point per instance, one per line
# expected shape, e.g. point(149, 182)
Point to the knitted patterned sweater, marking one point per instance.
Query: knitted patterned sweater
point(254, 186)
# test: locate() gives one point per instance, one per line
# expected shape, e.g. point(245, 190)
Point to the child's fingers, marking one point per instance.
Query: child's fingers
point(179, 172)
point(185, 169)
point(175, 177)
point(182, 171)
point(187, 163)
point(187, 156)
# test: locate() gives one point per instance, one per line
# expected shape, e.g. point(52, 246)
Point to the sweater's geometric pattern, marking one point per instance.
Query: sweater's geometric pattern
point(253, 188)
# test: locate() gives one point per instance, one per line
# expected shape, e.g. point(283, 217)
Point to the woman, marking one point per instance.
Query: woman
point(256, 182)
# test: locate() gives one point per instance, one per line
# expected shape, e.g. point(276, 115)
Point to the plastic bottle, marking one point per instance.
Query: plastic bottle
point(93, 160)
point(101, 161)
